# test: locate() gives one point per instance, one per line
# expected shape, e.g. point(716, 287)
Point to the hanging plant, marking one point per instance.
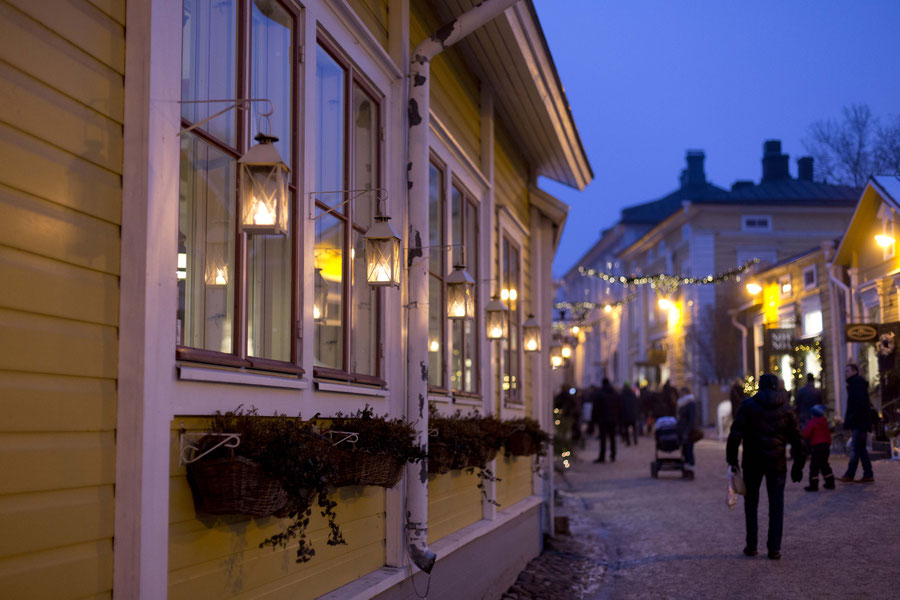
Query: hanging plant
point(886, 344)
point(282, 452)
point(526, 437)
point(377, 456)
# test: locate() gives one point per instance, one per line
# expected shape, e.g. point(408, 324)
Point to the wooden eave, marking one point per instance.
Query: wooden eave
point(863, 217)
point(511, 55)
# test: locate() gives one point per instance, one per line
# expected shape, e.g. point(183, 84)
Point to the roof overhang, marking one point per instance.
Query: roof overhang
point(554, 209)
point(879, 190)
point(511, 55)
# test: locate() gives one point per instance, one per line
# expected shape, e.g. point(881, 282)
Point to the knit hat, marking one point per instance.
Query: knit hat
point(818, 410)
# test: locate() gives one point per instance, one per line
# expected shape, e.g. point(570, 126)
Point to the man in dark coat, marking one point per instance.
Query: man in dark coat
point(807, 397)
point(605, 413)
point(858, 419)
point(765, 425)
point(629, 415)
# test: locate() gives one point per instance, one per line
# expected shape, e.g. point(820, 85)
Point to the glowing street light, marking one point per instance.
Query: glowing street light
point(532, 334)
point(884, 240)
point(753, 288)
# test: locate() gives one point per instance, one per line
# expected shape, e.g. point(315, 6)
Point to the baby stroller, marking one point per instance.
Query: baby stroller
point(668, 440)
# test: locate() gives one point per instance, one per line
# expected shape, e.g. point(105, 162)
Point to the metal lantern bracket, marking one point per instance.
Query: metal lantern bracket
point(348, 436)
point(236, 103)
point(381, 195)
point(187, 452)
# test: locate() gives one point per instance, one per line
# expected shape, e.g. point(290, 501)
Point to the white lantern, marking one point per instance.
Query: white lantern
point(382, 254)
point(531, 334)
point(566, 350)
point(556, 359)
point(460, 294)
point(496, 319)
point(264, 189)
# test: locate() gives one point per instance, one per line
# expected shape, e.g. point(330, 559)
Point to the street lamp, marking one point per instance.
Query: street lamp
point(556, 358)
point(264, 189)
point(607, 308)
point(382, 254)
point(532, 334)
point(884, 240)
point(664, 303)
point(753, 288)
point(566, 350)
point(496, 319)
point(460, 294)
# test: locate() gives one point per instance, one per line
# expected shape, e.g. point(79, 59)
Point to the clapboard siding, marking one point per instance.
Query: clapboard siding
point(41, 111)
point(52, 231)
point(41, 285)
point(510, 175)
point(40, 521)
point(216, 557)
point(29, 46)
point(40, 169)
point(61, 87)
point(374, 14)
point(83, 25)
point(515, 482)
point(65, 573)
point(454, 502)
point(44, 403)
point(455, 93)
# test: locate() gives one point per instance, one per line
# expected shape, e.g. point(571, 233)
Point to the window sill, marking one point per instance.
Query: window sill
point(214, 374)
point(466, 399)
point(514, 405)
point(324, 385)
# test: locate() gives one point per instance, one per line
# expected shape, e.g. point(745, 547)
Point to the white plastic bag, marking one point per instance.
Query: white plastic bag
point(732, 494)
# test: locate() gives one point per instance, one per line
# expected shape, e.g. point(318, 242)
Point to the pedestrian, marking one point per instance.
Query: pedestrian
point(670, 399)
point(605, 416)
point(858, 419)
point(629, 415)
point(765, 425)
point(807, 397)
point(817, 435)
point(687, 417)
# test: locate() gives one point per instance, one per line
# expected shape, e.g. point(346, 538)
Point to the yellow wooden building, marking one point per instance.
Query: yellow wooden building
point(134, 305)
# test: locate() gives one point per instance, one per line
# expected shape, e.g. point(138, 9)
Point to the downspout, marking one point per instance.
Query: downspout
point(417, 277)
point(836, 332)
point(743, 329)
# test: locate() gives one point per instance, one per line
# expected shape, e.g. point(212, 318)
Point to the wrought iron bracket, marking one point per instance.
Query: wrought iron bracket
point(187, 452)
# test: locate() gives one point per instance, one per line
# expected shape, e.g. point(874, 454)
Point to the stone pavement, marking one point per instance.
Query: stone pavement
point(638, 537)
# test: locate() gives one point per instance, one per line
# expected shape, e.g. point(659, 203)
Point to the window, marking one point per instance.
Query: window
point(785, 288)
point(809, 277)
point(237, 295)
point(346, 309)
point(464, 350)
point(510, 290)
point(756, 223)
point(811, 308)
point(437, 272)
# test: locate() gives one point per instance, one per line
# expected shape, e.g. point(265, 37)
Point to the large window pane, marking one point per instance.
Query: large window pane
point(208, 69)
point(456, 353)
point(435, 332)
point(363, 317)
point(270, 72)
point(330, 78)
point(456, 224)
point(328, 293)
point(206, 213)
point(269, 297)
point(365, 155)
point(436, 219)
point(470, 382)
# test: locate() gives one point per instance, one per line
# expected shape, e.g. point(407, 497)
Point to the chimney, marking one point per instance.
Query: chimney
point(805, 168)
point(775, 164)
point(694, 175)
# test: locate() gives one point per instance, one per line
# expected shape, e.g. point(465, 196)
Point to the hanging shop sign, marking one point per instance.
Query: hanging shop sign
point(860, 332)
point(780, 341)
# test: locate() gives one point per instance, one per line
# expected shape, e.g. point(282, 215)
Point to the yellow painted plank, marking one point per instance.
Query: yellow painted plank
point(82, 24)
point(42, 521)
point(374, 14)
point(45, 113)
point(30, 47)
point(32, 462)
point(38, 344)
point(35, 167)
point(43, 285)
point(113, 8)
point(68, 573)
point(454, 502)
point(35, 403)
point(516, 479)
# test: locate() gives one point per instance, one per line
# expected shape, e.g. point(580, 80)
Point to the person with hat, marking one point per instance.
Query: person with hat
point(765, 425)
point(817, 434)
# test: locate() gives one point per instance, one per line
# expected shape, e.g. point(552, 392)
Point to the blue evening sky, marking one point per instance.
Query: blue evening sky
point(649, 79)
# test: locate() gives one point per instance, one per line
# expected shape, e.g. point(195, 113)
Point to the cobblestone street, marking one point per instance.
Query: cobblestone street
point(638, 537)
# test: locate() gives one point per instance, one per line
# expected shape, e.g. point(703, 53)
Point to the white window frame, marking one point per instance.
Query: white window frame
point(815, 278)
point(510, 226)
point(745, 220)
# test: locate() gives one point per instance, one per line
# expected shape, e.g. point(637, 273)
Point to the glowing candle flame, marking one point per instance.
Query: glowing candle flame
point(316, 313)
point(262, 215)
point(220, 277)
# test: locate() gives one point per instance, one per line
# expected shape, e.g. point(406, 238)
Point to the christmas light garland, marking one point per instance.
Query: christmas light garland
point(670, 282)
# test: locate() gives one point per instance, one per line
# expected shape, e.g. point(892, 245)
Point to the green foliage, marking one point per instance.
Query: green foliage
point(294, 453)
point(378, 435)
point(539, 437)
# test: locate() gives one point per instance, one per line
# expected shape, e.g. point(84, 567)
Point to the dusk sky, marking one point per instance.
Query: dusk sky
point(649, 79)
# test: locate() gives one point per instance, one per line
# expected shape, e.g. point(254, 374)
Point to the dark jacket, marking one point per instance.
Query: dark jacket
point(859, 411)
point(687, 416)
point(807, 397)
point(629, 406)
point(607, 405)
point(766, 425)
point(736, 395)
